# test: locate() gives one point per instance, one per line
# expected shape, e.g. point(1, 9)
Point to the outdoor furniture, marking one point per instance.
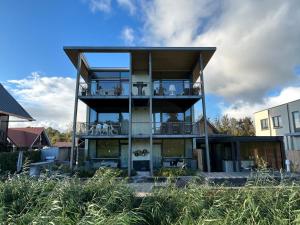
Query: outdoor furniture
point(105, 129)
point(99, 128)
point(92, 130)
point(140, 86)
point(35, 168)
point(172, 89)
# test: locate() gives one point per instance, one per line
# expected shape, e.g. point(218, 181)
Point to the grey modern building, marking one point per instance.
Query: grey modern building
point(140, 117)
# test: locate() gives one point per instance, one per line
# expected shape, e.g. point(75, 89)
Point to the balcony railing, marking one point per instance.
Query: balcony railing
point(176, 128)
point(102, 129)
point(121, 88)
point(176, 88)
point(104, 88)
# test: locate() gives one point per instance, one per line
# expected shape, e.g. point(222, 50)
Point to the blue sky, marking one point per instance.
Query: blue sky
point(247, 72)
point(33, 34)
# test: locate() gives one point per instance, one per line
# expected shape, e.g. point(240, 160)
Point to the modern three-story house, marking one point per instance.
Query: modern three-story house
point(140, 117)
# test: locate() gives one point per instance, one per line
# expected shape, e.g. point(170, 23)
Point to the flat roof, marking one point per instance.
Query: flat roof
point(225, 138)
point(276, 106)
point(164, 59)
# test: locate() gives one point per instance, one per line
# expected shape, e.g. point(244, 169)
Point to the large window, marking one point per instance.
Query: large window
point(107, 149)
point(264, 124)
point(277, 121)
point(296, 121)
point(173, 148)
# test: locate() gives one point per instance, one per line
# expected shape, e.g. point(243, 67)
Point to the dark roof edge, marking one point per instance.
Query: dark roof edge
point(134, 48)
point(277, 106)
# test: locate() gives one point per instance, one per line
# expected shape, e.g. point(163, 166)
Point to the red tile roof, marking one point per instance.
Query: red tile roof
point(25, 136)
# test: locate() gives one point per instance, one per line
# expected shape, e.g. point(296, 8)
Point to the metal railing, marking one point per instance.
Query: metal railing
point(102, 129)
point(176, 88)
point(166, 128)
point(104, 88)
point(176, 128)
point(141, 88)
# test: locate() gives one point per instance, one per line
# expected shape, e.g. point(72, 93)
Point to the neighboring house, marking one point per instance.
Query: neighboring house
point(64, 148)
point(9, 107)
point(242, 153)
point(140, 117)
point(28, 138)
point(281, 120)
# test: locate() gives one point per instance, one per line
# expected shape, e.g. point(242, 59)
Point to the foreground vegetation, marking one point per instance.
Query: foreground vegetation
point(103, 199)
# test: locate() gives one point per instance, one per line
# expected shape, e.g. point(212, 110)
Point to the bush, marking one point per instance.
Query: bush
point(174, 172)
point(8, 160)
point(103, 199)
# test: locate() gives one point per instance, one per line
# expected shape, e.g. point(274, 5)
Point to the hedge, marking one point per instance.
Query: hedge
point(8, 160)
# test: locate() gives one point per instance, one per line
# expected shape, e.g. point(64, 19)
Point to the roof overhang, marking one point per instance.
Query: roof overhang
point(164, 59)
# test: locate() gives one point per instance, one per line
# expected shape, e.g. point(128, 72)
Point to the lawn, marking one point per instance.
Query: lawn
point(103, 199)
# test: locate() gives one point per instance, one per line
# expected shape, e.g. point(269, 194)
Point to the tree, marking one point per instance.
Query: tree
point(235, 127)
point(55, 135)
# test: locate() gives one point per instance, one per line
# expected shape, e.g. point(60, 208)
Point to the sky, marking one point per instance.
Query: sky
point(256, 65)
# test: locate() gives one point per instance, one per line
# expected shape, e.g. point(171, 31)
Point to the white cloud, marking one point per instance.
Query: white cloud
point(100, 5)
point(257, 41)
point(49, 100)
point(128, 35)
point(241, 108)
point(129, 5)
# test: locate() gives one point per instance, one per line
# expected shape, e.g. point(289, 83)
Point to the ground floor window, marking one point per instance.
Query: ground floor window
point(173, 148)
point(107, 149)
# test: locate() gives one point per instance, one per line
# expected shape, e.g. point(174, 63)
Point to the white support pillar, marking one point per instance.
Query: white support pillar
point(204, 114)
point(79, 61)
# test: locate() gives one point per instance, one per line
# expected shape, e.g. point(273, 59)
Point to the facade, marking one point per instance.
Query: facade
point(28, 138)
point(281, 120)
point(140, 117)
point(243, 153)
point(9, 107)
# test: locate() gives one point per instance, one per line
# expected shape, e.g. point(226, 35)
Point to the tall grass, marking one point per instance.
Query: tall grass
point(103, 199)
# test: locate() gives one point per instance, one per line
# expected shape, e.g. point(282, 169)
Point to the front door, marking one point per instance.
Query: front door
point(124, 156)
point(156, 154)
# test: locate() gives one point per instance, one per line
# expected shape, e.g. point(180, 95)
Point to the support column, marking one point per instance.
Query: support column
point(130, 120)
point(150, 112)
point(79, 61)
point(238, 156)
point(204, 113)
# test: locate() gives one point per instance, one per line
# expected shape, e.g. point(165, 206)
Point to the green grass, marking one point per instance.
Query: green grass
point(103, 199)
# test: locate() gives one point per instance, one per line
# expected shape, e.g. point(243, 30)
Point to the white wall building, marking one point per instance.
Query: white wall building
point(281, 120)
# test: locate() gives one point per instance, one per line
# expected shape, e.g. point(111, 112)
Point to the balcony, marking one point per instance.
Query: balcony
point(143, 129)
point(104, 88)
point(176, 128)
point(176, 88)
point(100, 129)
point(114, 95)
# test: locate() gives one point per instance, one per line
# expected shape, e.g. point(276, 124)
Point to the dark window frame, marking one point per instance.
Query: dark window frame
point(264, 126)
point(277, 122)
point(297, 129)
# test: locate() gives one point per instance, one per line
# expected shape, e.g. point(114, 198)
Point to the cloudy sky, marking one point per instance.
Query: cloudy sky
point(256, 65)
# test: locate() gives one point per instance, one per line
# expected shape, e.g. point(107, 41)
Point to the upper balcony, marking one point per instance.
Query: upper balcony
point(103, 130)
point(98, 94)
point(104, 89)
point(176, 89)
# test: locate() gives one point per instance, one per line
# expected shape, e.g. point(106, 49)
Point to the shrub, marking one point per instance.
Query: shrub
point(174, 172)
point(8, 160)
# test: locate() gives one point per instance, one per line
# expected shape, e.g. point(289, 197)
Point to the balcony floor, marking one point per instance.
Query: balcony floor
point(107, 103)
